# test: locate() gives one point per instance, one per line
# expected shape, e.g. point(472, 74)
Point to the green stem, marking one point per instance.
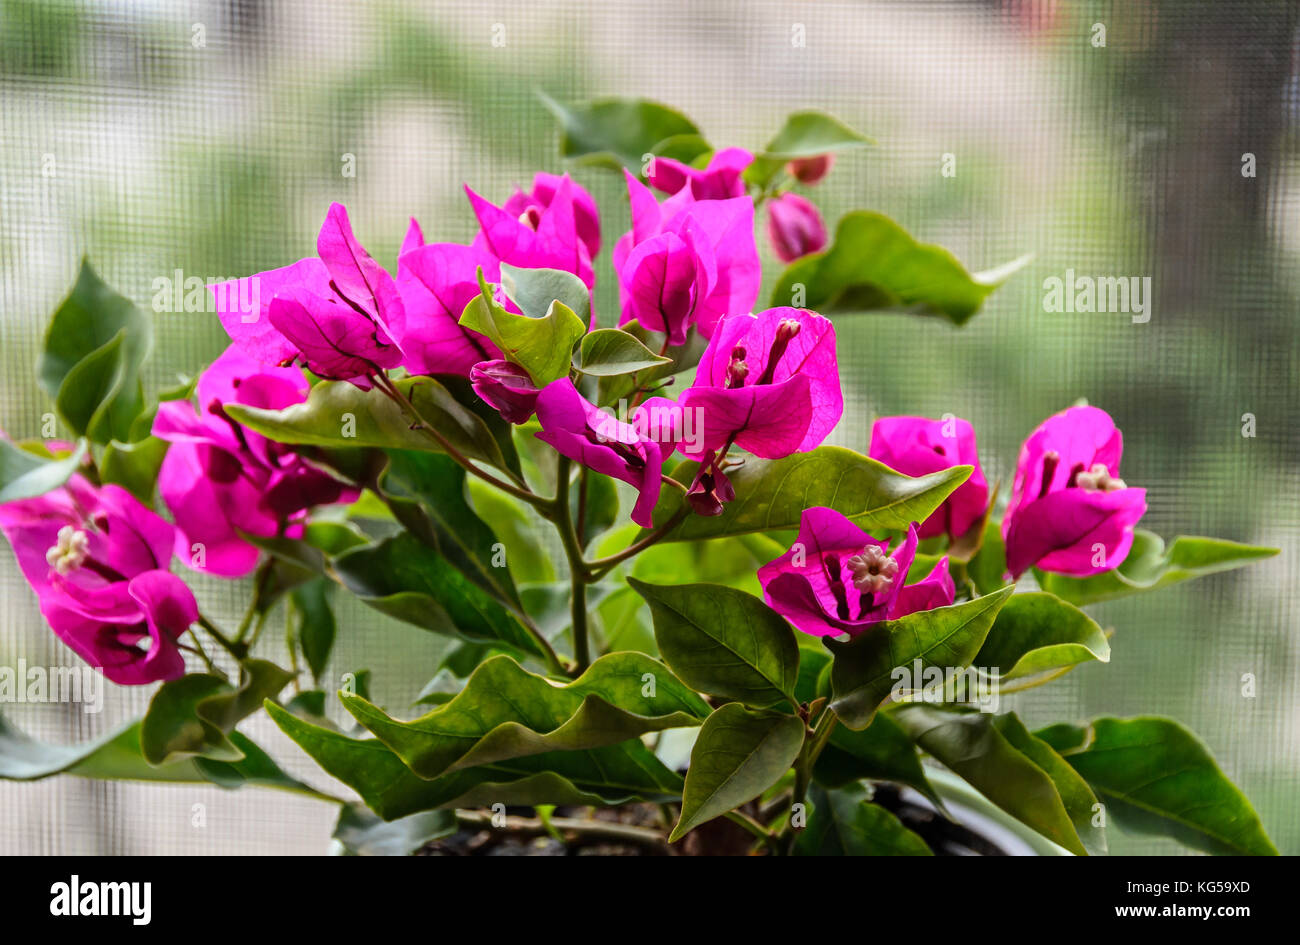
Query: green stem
point(752, 826)
point(812, 749)
point(391, 390)
point(233, 647)
point(259, 588)
point(578, 574)
point(601, 566)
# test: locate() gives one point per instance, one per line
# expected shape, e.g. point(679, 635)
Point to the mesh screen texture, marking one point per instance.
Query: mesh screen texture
point(209, 137)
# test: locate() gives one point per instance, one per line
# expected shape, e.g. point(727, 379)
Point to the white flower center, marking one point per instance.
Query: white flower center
point(69, 551)
point(873, 571)
point(1098, 479)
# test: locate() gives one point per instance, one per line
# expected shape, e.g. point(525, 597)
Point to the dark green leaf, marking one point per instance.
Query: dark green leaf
point(1157, 777)
point(772, 494)
point(506, 712)
point(988, 567)
point(738, 755)
point(880, 752)
point(973, 746)
point(194, 715)
point(724, 642)
point(612, 775)
point(873, 265)
point(90, 364)
point(364, 834)
point(945, 638)
point(315, 624)
point(844, 822)
point(408, 580)
point(1151, 565)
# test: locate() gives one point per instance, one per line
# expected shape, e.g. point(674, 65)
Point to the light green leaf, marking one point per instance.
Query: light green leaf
point(1038, 636)
point(738, 755)
point(609, 352)
point(363, 834)
point(25, 474)
point(533, 291)
point(724, 642)
point(944, 638)
point(611, 775)
point(1150, 565)
point(506, 712)
point(542, 346)
point(804, 134)
point(772, 494)
point(615, 132)
point(134, 466)
point(873, 264)
point(340, 414)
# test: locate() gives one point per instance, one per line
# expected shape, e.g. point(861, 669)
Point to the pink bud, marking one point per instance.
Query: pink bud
point(810, 170)
point(506, 387)
point(795, 227)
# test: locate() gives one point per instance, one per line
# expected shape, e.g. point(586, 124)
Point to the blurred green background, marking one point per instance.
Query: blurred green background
point(210, 137)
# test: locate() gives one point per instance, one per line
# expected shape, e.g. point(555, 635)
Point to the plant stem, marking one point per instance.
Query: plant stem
point(234, 648)
point(601, 829)
point(578, 574)
point(602, 565)
point(391, 390)
point(812, 748)
point(753, 827)
point(259, 588)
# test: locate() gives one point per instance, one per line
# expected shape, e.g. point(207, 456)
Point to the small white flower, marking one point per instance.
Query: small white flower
point(873, 570)
point(69, 551)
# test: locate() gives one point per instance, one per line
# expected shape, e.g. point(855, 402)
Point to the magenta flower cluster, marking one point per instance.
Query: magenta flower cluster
point(767, 383)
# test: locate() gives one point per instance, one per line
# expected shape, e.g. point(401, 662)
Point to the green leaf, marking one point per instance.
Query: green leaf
point(437, 482)
point(880, 752)
point(194, 714)
point(315, 626)
point(25, 474)
point(772, 494)
point(1080, 803)
point(1157, 777)
point(601, 510)
point(804, 134)
point(519, 530)
point(542, 346)
point(114, 756)
point(506, 712)
point(256, 768)
point(363, 834)
point(724, 642)
point(844, 822)
point(738, 755)
point(406, 579)
point(94, 347)
point(1036, 637)
point(533, 291)
point(612, 775)
point(1150, 565)
point(988, 567)
point(340, 414)
point(973, 746)
point(610, 352)
point(874, 265)
point(134, 466)
point(944, 638)
point(611, 389)
point(615, 132)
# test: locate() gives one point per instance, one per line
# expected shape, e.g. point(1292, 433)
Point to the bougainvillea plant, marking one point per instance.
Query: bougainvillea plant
point(681, 621)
